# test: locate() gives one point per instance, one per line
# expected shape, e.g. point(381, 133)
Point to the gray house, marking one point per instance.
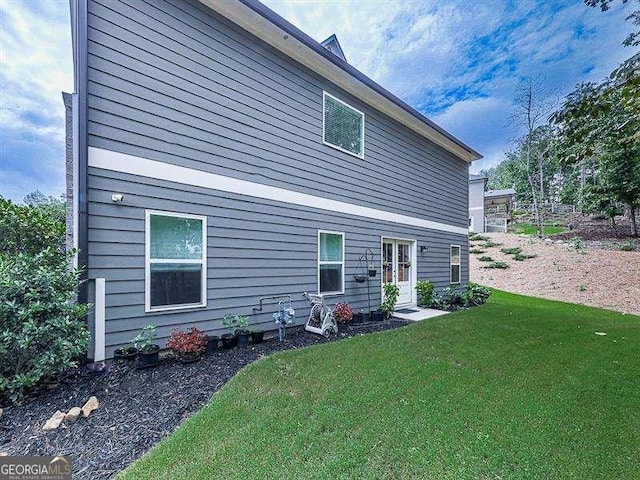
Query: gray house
point(221, 155)
point(477, 185)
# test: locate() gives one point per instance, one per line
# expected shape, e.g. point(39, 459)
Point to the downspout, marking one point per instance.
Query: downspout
point(79, 21)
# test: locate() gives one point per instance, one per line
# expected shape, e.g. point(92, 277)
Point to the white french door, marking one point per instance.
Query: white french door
point(398, 267)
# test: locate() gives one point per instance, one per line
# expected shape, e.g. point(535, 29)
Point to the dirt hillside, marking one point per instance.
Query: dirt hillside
point(560, 271)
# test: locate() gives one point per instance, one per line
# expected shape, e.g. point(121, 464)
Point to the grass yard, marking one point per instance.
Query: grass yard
point(518, 388)
point(530, 229)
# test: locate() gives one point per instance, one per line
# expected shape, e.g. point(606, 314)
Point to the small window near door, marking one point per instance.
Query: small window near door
point(176, 246)
point(455, 263)
point(330, 262)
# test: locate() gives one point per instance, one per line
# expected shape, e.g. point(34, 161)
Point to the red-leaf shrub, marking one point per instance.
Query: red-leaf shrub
point(191, 342)
point(343, 313)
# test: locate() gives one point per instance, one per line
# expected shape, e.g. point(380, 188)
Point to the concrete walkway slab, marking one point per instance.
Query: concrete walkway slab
point(419, 314)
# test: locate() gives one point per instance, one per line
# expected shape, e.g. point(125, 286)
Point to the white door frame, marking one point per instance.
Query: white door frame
point(414, 271)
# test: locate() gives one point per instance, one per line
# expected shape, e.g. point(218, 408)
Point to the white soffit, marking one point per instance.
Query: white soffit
point(264, 29)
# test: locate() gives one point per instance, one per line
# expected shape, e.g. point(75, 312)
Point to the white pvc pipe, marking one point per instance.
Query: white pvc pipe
point(99, 352)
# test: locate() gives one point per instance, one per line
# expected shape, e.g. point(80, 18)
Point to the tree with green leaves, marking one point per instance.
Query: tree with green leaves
point(597, 126)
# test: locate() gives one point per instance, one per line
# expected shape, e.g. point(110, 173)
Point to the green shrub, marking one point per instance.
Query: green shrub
point(478, 237)
point(42, 331)
point(523, 256)
point(501, 265)
point(627, 246)
point(425, 292)
point(477, 251)
point(391, 294)
point(490, 244)
point(511, 250)
point(475, 295)
point(25, 229)
point(452, 298)
point(485, 258)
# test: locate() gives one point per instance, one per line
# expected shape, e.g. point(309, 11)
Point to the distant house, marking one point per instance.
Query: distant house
point(498, 209)
point(221, 155)
point(491, 210)
point(477, 185)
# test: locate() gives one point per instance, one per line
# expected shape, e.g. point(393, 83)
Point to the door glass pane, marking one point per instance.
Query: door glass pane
point(387, 262)
point(175, 238)
point(330, 247)
point(175, 284)
point(404, 262)
point(330, 278)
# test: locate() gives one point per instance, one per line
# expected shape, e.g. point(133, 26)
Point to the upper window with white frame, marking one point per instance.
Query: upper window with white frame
point(342, 126)
point(330, 262)
point(176, 265)
point(455, 263)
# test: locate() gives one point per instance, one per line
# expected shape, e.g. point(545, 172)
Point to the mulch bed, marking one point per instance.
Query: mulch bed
point(600, 233)
point(138, 408)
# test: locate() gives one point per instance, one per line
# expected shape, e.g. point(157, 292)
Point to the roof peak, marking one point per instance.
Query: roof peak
point(332, 44)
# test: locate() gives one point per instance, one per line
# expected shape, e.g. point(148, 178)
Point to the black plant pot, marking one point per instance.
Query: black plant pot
point(257, 337)
point(358, 318)
point(212, 344)
point(148, 358)
point(229, 341)
point(378, 316)
point(243, 339)
point(127, 353)
point(189, 357)
point(372, 272)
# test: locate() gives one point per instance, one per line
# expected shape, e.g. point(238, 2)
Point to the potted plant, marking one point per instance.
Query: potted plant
point(343, 313)
point(229, 339)
point(128, 352)
point(358, 318)
point(257, 336)
point(189, 345)
point(240, 336)
point(391, 294)
point(377, 316)
point(243, 332)
point(147, 350)
point(212, 343)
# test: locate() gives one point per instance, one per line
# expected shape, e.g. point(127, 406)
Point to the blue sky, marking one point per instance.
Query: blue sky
point(459, 62)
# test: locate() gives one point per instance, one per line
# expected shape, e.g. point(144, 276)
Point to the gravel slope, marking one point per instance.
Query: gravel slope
point(592, 276)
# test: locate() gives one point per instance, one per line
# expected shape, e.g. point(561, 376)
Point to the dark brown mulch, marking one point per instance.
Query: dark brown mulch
point(599, 233)
point(138, 408)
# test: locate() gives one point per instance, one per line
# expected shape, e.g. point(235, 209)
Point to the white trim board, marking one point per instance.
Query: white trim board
point(124, 163)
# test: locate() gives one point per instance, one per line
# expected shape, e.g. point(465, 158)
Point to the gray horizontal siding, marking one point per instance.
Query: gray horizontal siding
point(172, 81)
point(254, 249)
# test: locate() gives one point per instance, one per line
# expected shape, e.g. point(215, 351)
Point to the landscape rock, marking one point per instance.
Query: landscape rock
point(1, 412)
point(73, 414)
point(90, 406)
point(4, 454)
point(54, 422)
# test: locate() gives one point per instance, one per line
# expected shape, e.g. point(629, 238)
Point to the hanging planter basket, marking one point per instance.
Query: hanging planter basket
point(373, 272)
point(360, 278)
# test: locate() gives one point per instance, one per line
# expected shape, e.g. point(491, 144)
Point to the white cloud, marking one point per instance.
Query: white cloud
point(459, 62)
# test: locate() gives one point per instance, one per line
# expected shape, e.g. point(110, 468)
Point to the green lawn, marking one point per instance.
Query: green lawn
point(518, 388)
point(530, 229)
